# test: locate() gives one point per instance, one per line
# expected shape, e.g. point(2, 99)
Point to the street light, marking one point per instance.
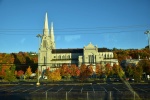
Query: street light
point(148, 32)
point(38, 36)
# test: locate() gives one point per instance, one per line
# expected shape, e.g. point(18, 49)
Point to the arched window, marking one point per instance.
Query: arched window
point(110, 55)
point(104, 55)
point(107, 55)
point(68, 57)
point(91, 59)
point(59, 57)
point(63, 57)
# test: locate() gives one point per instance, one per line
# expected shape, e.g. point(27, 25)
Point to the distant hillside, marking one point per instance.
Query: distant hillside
point(22, 60)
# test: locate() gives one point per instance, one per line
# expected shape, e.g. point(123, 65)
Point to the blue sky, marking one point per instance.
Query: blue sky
point(105, 23)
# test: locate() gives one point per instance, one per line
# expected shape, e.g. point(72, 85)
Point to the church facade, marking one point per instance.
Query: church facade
point(51, 57)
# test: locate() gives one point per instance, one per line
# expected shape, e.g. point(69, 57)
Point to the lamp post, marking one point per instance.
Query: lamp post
point(148, 34)
point(38, 36)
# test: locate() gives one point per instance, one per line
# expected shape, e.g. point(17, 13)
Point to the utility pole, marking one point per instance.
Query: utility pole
point(38, 36)
point(148, 34)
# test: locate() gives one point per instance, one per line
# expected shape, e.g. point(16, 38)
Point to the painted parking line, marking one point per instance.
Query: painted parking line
point(117, 89)
point(28, 89)
point(17, 89)
point(140, 89)
point(47, 90)
point(11, 88)
point(70, 90)
point(105, 90)
point(37, 90)
point(59, 90)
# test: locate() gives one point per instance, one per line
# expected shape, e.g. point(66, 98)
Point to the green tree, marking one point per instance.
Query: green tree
point(129, 70)
point(10, 74)
point(117, 70)
point(137, 74)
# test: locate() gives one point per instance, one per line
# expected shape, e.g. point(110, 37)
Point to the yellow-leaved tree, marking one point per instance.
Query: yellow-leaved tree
point(55, 75)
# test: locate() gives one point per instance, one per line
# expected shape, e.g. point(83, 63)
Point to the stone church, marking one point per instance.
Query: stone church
point(51, 57)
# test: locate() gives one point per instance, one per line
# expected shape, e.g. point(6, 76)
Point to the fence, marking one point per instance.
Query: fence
point(89, 95)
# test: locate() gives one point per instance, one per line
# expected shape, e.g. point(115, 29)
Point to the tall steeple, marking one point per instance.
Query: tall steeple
point(52, 36)
point(46, 29)
point(52, 32)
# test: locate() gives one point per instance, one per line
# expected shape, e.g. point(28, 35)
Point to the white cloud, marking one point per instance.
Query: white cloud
point(72, 38)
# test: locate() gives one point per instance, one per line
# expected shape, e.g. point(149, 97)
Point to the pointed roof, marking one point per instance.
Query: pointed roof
point(46, 22)
point(52, 32)
point(51, 25)
point(90, 45)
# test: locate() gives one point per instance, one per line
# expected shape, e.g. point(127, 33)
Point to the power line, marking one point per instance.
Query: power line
point(81, 33)
point(102, 30)
point(77, 29)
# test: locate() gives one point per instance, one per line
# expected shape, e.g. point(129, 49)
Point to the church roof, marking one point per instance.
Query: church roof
point(77, 50)
point(104, 50)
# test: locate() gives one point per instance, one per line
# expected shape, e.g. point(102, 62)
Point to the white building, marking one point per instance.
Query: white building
point(51, 57)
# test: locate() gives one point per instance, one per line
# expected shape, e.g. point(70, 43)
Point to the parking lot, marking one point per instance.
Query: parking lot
point(74, 91)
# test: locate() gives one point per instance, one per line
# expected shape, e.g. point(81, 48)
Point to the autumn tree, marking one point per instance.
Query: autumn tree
point(2, 72)
point(108, 70)
point(10, 74)
point(137, 74)
point(74, 70)
point(85, 72)
point(28, 72)
point(90, 68)
point(54, 75)
point(65, 71)
point(20, 73)
point(129, 70)
point(117, 70)
point(145, 64)
point(99, 70)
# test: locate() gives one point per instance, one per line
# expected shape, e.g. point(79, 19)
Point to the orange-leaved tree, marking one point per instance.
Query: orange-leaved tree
point(28, 72)
point(3, 69)
point(99, 70)
point(74, 70)
point(85, 72)
point(108, 70)
point(65, 71)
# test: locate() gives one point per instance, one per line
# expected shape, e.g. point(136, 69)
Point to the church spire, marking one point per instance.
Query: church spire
point(52, 32)
point(52, 35)
point(46, 30)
